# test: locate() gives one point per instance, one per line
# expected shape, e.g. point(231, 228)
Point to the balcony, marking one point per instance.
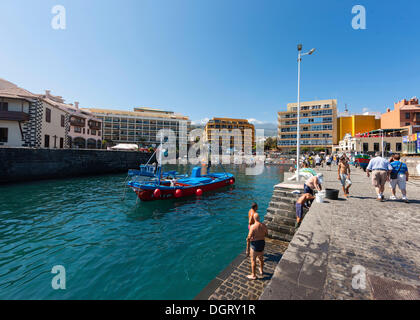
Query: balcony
point(94, 125)
point(14, 116)
point(77, 122)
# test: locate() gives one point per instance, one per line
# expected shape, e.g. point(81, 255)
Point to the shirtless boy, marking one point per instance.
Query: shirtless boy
point(344, 175)
point(255, 243)
point(251, 213)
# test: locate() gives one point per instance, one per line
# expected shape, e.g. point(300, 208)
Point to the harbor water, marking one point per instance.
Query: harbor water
point(122, 249)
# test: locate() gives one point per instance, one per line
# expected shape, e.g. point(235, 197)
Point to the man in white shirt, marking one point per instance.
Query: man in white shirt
point(381, 170)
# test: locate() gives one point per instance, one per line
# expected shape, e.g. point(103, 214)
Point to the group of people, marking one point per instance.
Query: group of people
point(393, 170)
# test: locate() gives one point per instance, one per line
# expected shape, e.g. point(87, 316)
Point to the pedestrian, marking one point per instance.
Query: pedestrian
point(251, 212)
point(344, 175)
point(303, 201)
point(380, 168)
point(328, 162)
point(255, 243)
point(399, 176)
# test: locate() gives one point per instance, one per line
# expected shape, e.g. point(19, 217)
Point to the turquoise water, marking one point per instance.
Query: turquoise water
point(113, 249)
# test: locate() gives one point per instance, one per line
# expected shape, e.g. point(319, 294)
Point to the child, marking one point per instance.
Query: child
point(300, 203)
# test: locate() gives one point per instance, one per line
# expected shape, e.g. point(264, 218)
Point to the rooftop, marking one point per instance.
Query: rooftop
point(150, 114)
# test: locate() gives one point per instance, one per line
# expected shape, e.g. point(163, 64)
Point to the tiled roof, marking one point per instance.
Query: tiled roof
point(10, 90)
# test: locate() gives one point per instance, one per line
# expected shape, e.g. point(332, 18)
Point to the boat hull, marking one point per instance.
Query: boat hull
point(171, 193)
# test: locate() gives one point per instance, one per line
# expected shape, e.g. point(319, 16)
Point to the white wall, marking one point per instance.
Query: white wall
point(14, 135)
point(54, 127)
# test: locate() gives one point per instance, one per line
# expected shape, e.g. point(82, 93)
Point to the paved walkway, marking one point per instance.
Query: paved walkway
point(353, 249)
point(232, 284)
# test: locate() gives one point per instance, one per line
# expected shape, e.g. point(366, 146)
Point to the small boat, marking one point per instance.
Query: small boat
point(151, 183)
point(169, 185)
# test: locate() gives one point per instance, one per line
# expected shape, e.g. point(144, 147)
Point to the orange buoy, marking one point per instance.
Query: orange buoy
point(199, 192)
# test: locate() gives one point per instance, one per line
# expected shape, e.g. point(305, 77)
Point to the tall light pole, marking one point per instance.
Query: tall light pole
point(300, 55)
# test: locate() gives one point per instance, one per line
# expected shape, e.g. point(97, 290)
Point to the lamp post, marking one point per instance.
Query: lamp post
point(300, 55)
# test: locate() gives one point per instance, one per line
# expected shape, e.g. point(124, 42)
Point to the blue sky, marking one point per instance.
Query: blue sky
point(206, 58)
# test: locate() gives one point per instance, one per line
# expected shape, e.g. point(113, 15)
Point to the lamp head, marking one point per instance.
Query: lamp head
point(299, 47)
point(312, 51)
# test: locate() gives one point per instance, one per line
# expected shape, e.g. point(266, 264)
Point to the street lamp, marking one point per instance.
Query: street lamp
point(300, 55)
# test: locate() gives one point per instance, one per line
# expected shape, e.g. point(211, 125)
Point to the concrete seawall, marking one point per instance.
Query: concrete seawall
point(25, 164)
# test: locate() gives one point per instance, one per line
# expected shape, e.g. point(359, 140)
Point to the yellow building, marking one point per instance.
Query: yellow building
point(317, 125)
point(230, 124)
point(356, 124)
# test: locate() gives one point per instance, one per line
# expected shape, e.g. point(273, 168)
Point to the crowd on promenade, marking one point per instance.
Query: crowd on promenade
point(380, 169)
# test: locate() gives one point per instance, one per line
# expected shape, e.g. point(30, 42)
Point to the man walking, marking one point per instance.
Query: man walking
point(380, 168)
point(399, 176)
point(255, 243)
point(344, 175)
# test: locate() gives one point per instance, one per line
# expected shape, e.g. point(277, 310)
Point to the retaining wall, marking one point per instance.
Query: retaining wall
point(25, 164)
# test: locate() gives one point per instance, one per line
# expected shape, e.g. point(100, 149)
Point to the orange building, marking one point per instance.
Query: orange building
point(405, 113)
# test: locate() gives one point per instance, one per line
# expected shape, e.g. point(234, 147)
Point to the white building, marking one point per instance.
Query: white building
point(85, 130)
point(28, 121)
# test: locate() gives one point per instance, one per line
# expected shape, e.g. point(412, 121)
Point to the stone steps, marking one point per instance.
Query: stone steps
point(279, 236)
point(282, 213)
point(289, 230)
point(280, 220)
point(275, 198)
point(280, 205)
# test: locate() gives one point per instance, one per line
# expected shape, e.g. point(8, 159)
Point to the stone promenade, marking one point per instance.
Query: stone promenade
point(356, 248)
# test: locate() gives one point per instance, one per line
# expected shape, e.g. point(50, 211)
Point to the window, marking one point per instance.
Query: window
point(93, 132)
point(88, 131)
point(398, 147)
point(47, 115)
point(4, 134)
point(376, 146)
point(407, 123)
point(365, 147)
point(77, 129)
point(4, 106)
point(407, 115)
point(47, 141)
point(63, 120)
point(84, 130)
point(99, 133)
point(61, 143)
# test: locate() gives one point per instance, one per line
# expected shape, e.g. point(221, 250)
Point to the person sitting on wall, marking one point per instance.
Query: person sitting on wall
point(255, 243)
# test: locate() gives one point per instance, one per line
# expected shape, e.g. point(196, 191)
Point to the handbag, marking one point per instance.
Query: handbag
point(394, 175)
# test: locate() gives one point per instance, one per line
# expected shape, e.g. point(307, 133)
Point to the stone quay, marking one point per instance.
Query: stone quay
point(355, 248)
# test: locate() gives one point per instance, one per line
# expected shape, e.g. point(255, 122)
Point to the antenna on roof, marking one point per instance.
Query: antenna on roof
point(346, 109)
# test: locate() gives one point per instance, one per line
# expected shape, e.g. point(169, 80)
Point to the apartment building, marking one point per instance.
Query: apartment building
point(141, 125)
point(318, 125)
point(213, 126)
point(405, 113)
point(84, 129)
point(28, 121)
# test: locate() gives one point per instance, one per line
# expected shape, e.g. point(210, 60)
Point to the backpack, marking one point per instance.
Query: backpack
point(394, 175)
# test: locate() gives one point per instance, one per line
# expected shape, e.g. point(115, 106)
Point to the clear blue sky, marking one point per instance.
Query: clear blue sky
point(206, 58)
